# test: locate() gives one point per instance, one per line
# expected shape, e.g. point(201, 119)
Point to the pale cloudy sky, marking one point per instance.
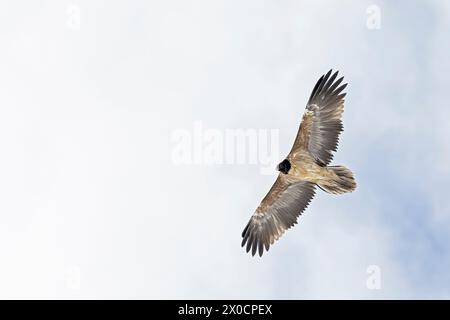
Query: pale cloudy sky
point(92, 205)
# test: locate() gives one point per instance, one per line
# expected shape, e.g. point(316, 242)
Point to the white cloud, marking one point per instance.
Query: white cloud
point(87, 178)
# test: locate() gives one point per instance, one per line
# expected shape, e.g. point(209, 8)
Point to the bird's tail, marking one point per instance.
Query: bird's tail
point(339, 180)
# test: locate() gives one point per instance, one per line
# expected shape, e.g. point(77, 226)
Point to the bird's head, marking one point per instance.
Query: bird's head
point(284, 166)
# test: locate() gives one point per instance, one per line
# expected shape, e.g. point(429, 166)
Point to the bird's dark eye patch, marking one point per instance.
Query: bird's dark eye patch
point(284, 166)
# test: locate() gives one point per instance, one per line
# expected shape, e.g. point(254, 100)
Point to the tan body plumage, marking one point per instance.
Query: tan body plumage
point(304, 168)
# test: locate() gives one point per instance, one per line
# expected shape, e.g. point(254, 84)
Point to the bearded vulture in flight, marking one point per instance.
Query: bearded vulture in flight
point(305, 167)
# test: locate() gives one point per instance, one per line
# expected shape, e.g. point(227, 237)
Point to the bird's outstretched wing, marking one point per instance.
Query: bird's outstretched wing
point(277, 212)
point(321, 123)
